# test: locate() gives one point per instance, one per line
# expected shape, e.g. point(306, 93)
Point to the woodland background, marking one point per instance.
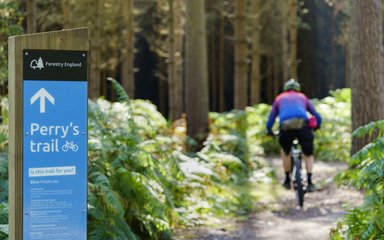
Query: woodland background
point(142, 44)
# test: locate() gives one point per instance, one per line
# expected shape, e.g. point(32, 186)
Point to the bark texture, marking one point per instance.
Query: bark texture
point(95, 54)
point(175, 60)
point(196, 70)
point(127, 70)
point(255, 80)
point(241, 86)
point(367, 70)
point(293, 38)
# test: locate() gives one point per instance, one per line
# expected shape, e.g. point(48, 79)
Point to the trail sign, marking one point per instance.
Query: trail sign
point(47, 88)
point(54, 144)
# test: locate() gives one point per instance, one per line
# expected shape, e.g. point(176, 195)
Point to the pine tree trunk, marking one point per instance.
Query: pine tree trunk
point(276, 77)
point(196, 71)
point(284, 40)
point(31, 16)
point(95, 54)
point(293, 38)
point(255, 80)
point(213, 69)
point(174, 60)
point(367, 70)
point(270, 79)
point(241, 86)
point(127, 69)
point(221, 81)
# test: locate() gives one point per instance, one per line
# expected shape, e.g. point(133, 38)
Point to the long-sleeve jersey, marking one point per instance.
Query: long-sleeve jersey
point(291, 104)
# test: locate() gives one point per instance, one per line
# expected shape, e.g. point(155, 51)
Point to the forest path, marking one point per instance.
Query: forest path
point(282, 219)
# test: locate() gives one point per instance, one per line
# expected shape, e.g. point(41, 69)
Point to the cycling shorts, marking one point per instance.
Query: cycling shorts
point(304, 135)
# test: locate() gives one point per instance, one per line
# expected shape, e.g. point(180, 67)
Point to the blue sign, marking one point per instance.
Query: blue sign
point(54, 146)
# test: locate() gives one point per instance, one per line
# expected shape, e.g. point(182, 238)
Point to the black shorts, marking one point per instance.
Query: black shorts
point(304, 135)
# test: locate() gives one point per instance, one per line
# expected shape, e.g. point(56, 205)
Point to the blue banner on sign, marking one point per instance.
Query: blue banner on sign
point(55, 159)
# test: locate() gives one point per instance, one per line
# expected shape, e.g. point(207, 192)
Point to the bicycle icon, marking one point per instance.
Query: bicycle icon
point(70, 146)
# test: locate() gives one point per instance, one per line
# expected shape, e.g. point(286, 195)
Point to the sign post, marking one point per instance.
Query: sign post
point(48, 135)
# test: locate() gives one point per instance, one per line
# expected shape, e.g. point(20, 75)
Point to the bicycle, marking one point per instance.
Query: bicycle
point(298, 184)
point(297, 179)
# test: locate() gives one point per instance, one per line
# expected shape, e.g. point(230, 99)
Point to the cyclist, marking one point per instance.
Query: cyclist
point(291, 106)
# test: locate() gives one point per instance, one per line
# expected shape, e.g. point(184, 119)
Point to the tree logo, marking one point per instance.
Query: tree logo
point(37, 64)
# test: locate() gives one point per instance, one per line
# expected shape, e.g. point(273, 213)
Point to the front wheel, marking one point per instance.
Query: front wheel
point(299, 186)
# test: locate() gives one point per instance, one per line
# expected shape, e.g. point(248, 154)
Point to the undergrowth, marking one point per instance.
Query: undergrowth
point(366, 172)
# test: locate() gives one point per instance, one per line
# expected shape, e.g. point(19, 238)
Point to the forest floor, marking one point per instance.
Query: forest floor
point(281, 218)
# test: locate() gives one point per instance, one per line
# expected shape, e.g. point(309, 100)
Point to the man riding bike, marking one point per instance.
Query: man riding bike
point(291, 107)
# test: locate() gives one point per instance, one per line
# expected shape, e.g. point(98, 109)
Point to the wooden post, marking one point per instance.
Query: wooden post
point(76, 39)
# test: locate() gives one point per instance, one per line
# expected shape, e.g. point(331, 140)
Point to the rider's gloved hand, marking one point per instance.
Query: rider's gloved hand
point(270, 133)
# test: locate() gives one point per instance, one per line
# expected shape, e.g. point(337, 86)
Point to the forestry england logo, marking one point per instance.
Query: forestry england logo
point(37, 64)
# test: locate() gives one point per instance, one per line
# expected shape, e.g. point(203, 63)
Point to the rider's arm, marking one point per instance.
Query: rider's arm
point(272, 116)
point(311, 109)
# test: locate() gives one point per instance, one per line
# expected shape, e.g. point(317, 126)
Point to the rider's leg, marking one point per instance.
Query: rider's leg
point(306, 141)
point(287, 168)
point(285, 140)
point(309, 160)
point(287, 163)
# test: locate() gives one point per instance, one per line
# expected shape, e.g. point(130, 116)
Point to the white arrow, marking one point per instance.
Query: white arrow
point(42, 94)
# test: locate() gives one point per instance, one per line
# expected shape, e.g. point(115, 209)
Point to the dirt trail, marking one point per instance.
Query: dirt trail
point(284, 220)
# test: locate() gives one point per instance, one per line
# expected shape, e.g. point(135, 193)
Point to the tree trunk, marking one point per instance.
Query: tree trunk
point(174, 60)
point(212, 71)
point(196, 71)
point(293, 38)
point(367, 70)
point(127, 69)
point(66, 14)
point(284, 40)
point(276, 77)
point(221, 81)
point(270, 79)
point(241, 86)
point(31, 16)
point(347, 51)
point(255, 80)
point(95, 54)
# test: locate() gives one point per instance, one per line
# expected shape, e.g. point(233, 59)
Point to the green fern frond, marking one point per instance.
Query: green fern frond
point(369, 128)
point(122, 95)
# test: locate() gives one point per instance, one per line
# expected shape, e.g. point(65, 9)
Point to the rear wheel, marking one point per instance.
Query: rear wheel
point(299, 184)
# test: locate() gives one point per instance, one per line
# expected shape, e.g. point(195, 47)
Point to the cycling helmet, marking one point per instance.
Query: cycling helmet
point(292, 84)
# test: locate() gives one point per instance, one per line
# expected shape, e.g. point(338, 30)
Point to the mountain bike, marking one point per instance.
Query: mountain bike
point(297, 179)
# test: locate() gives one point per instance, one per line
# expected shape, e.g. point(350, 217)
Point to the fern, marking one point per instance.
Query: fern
point(121, 94)
point(369, 129)
point(366, 221)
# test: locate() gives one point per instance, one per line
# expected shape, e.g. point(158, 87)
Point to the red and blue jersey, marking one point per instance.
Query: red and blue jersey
point(291, 104)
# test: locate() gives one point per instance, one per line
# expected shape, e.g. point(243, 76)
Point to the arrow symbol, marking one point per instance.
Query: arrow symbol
point(42, 94)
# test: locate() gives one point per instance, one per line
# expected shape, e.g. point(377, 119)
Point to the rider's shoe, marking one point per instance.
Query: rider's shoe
point(311, 187)
point(287, 184)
